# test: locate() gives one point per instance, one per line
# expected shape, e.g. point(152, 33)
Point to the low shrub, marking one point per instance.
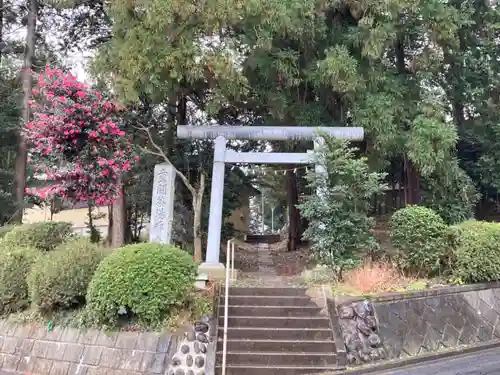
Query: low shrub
point(420, 235)
point(60, 278)
point(144, 280)
point(4, 229)
point(15, 265)
point(44, 236)
point(476, 251)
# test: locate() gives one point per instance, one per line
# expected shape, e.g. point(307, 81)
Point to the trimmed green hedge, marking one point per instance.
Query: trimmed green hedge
point(15, 264)
point(5, 229)
point(476, 251)
point(421, 236)
point(44, 236)
point(59, 279)
point(145, 280)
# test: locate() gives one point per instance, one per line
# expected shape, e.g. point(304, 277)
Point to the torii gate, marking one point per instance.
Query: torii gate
point(221, 134)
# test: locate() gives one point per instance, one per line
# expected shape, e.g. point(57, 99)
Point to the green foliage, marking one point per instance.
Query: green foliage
point(476, 251)
point(5, 229)
point(451, 193)
point(15, 264)
point(145, 280)
point(10, 98)
point(420, 235)
point(60, 278)
point(44, 236)
point(339, 226)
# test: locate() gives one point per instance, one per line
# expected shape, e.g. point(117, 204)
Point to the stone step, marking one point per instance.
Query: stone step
point(279, 370)
point(262, 238)
point(291, 346)
point(268, 301)
point(281, 311)
point(274, 322)
point(255, 291)
point(275, 334)
point(278, 359)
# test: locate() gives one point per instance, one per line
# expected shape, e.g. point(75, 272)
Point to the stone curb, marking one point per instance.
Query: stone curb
point(212, 347)
point(335, 326)
point(397, 296)
point(398, 364)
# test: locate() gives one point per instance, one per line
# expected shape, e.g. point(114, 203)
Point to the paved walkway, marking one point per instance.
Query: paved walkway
point(480, 363)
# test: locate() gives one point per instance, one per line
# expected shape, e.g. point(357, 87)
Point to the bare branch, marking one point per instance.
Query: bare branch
point(159, 152)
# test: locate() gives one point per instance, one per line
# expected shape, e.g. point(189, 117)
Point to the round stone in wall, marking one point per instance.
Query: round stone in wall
point(371, 322)
point(201, 327)
point(363, 328)
point(201, 373)
point(199, 361)
point(203, 348)
point(191, 335)
point(189, 372)
point(374, 340)
point(180, 371)
point(346, 312)
point(189, 360)
point(202, 338)
point(176, 361)
point(185, 349)
point(361, 310)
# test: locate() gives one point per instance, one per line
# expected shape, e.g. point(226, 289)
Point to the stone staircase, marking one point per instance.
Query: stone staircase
point(276, 331)
point(262, 238)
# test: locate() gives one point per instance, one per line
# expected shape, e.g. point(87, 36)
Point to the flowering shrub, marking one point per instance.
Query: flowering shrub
point(76, 140)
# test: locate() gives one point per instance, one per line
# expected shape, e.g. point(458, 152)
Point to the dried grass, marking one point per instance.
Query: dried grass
point(375, 278)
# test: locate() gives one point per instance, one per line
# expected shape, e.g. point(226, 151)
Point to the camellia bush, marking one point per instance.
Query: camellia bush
point(76, 141)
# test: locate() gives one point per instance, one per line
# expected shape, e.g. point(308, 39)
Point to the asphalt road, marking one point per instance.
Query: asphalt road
point(480, 363)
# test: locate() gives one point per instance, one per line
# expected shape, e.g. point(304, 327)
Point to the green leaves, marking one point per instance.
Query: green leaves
point(339, 70)
point(476, 250)
point(430, 143)
point(421, 237)
point(59, 279)
point(147, 280)
point(339, 226)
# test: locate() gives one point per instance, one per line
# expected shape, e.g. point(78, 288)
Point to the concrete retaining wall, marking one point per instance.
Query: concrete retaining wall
point(402, 325)
point(67, 351)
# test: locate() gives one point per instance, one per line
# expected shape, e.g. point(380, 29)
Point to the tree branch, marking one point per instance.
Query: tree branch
point(159, 152)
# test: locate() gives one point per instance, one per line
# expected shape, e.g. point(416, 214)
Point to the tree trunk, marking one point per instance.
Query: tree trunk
point(22, 148)
point(110, 225)
point(119, 219)
point(89, 214)
point(412, 179)
point(1, 27)
point(293, 212)
point(197, 213)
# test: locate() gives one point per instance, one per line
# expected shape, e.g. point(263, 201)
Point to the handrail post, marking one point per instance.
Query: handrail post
point(232, 260)
point(226, 307)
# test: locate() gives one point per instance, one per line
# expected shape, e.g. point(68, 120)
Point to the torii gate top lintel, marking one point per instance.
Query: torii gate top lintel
point(267, 133)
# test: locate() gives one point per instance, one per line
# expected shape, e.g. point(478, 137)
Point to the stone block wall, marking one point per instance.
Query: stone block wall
point(397, 326)
point(67, 351)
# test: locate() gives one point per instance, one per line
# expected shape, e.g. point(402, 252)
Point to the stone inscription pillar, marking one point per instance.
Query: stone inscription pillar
point(162, 207)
